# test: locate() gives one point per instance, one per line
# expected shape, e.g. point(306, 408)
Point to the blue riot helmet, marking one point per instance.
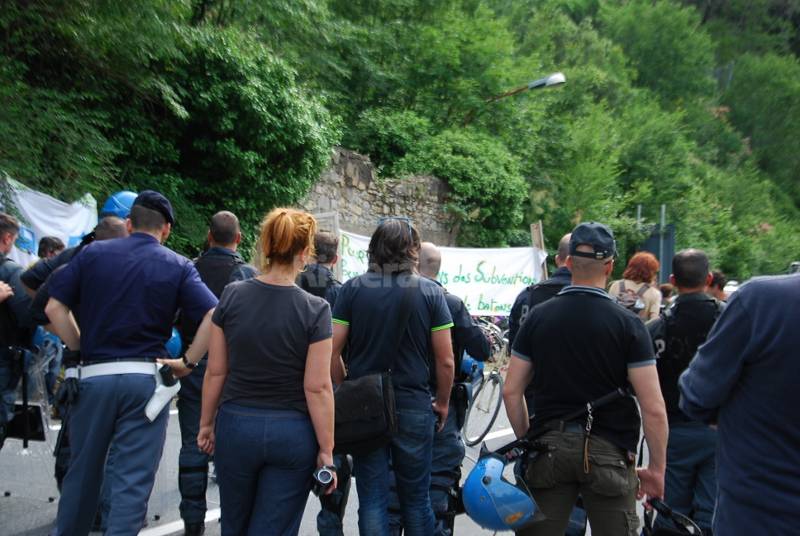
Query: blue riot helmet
point(119, 204)
point(471, 367)
point(493, 502)
point(174, 344)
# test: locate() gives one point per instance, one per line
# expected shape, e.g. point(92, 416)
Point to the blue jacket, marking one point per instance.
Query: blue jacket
point(747, 378)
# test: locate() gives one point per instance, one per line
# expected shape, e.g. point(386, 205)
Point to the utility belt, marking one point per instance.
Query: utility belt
point(167, 386)
point(92, 369)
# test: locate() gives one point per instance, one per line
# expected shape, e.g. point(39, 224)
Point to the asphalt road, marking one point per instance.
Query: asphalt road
point(29, 500)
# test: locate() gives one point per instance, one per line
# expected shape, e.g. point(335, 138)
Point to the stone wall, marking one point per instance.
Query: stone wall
point(350, 186)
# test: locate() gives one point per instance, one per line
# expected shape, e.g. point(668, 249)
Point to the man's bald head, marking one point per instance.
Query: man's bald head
point(430, 260)
point(224, 230)
point(563, 250)
point(110, 227)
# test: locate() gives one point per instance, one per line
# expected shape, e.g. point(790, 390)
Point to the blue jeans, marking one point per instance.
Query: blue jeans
point(192, 462)
point(448, 453)
point(410, 452)
point(265, 459)
point(110, 411)
point(690, 485)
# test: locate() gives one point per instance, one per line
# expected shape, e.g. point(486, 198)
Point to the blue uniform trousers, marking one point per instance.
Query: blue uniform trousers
point(690, 483)
point(192, 462)
point(110, 409)
point(448, 453)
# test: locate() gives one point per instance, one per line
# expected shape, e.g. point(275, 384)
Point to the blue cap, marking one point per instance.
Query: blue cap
point(596, 235)
point(155, 201)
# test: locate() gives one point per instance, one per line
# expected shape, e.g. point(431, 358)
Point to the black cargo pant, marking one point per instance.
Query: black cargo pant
point(608, 489)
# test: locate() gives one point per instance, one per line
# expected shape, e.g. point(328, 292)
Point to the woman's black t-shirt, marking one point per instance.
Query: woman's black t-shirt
point(268, 329)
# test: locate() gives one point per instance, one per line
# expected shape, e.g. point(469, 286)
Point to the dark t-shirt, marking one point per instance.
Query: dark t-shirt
point(533, 296)
point(369, 304)
point(581, 344)
point(268, 329)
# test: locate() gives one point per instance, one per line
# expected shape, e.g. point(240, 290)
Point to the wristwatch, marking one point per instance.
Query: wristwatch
point(186, 363)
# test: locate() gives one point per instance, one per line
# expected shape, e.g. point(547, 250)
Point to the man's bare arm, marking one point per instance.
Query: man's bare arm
point(520, 373)
point(63, 323)
point(654, 418)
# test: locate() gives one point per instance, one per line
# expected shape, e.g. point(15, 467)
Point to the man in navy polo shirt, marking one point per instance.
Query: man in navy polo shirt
point(126, 292)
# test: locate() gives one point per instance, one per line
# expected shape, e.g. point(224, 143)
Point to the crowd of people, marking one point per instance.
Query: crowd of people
point(263, 350)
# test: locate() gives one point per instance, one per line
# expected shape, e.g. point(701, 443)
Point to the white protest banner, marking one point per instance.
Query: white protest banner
point(41, 215)
point(487, 279)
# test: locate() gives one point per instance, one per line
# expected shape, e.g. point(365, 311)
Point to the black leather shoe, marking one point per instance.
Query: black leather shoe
point(194, 529)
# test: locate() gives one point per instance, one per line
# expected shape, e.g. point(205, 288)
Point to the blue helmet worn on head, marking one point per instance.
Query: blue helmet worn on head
point(174, 344)
point(119, 204)
point(493, 502)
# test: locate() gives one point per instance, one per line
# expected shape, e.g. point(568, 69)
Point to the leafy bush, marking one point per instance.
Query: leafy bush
point(387, 135)
point(488, 190)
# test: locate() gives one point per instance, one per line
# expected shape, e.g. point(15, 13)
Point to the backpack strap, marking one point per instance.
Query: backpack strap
point(643, 289)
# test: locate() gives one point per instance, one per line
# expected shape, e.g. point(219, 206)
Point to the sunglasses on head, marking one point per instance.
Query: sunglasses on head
point(403, 219)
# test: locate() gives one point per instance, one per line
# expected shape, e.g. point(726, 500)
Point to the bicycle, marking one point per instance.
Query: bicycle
point(484, 406)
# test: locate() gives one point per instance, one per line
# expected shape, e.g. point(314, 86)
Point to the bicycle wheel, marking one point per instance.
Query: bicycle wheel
point(483, 410)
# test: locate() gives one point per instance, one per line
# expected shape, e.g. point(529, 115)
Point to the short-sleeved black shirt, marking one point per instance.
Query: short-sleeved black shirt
point(268, 329)
point(581, 344)
point(369, 304)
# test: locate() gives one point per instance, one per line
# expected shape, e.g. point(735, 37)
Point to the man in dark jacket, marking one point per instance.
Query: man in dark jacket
point(318, 278)
point(218, 266)
point(540, 292)
point(745, 377)
point(448, 447)
point(690, 485)
point(16, 328)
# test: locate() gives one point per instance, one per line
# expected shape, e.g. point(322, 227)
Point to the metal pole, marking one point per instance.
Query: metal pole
point(661, 243)
point(638, 216)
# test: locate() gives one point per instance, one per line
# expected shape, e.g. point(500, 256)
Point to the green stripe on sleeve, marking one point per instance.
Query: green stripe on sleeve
point(340, 321)
point(440, 328)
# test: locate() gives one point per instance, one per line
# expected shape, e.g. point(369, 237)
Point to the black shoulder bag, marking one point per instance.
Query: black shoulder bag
point(366, 417)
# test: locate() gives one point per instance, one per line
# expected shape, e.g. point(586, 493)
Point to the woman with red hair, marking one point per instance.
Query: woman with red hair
point(638, 290)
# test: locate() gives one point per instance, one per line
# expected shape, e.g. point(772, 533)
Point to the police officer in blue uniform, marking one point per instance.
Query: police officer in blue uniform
point(126, 292)
point(219, 265)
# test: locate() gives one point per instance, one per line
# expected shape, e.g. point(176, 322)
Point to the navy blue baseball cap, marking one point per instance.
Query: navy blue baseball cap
point(155, 201)
point(596, 235)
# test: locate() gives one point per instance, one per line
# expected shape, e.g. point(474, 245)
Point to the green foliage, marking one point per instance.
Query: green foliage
point(133, 96)
point(247, 130)
point(672, 53)
point(236, 104)
point(764, 100)
point(386, 135)
point(487, 188)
